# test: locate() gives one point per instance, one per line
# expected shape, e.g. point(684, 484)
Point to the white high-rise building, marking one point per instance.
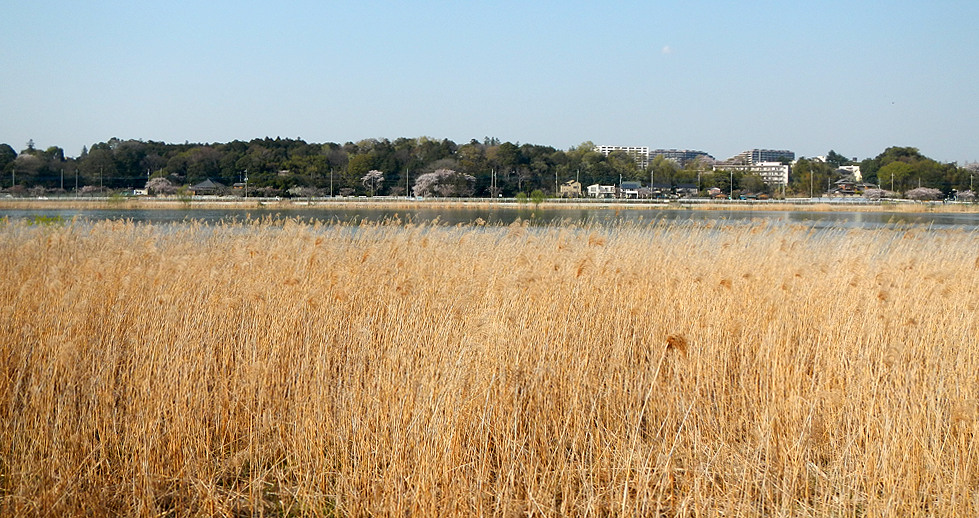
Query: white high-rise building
point(754, 156)
point(680, 156)
point(639, 153)
point(763, 162)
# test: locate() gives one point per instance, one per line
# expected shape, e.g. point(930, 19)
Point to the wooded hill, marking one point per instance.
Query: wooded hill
point(287, 166)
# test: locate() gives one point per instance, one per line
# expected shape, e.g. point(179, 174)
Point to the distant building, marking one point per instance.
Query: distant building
point(206, 187)
point(680, 156)
point(755, 156)
point(766, 163)
point(629, 189)
point(686, 190)
point(849, 187)
point(571, 189)
point(851, 170)
point(639, 153)
point(601, 191)
point(772, 173)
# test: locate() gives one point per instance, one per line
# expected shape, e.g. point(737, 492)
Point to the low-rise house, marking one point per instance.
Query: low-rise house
point(844, 187)
point(571, 189)
point(850, 187)
point(601, 191)
point(661, 190)
point(629, 190)
point(205, 188)
point(687, 190)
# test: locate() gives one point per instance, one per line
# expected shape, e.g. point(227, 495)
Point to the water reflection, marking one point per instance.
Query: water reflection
point(507, 215)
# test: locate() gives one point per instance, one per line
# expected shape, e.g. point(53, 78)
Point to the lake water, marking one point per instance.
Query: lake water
point(506, 215)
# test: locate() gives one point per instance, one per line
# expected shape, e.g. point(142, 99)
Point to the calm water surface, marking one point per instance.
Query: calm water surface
point(506, 215)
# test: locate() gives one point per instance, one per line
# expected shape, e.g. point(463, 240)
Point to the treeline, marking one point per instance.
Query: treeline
point(274, 166)
point(284, 166)
point(897, 169)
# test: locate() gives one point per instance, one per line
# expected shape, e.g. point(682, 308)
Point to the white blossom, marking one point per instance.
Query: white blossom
point(444, 182)
point(924, 193)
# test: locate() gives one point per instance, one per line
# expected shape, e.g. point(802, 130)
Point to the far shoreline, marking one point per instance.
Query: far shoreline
point(401, 203)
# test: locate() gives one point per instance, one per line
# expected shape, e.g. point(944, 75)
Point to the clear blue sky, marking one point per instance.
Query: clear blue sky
point(721, 76)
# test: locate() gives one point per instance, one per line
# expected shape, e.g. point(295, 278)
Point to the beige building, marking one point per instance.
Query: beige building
point(763, 162)
point(571, 189)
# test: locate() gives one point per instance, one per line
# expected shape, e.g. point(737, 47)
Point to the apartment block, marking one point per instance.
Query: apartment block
point(680, 156)
point(755, 156)
point(772, 173)
point(639, 153)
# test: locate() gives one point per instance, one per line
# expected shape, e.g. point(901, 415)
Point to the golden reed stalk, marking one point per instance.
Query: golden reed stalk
point(285, 369)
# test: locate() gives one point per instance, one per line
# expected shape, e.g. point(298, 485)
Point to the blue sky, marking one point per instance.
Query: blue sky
point(852, 76)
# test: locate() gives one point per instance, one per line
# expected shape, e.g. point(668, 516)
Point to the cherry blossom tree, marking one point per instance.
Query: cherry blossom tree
point(444, 182)
point(877, 194)
point(160, 185)
point(372, 180)
point(924, 193)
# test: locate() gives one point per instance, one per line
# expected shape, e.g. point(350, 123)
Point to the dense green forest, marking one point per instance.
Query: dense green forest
point(282, 167)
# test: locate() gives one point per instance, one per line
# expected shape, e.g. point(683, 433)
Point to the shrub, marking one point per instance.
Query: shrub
point(537, 196)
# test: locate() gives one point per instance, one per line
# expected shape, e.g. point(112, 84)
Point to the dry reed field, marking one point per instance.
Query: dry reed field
point(281, 368)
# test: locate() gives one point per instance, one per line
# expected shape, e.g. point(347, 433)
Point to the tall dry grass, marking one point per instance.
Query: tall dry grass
point(285, 369)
